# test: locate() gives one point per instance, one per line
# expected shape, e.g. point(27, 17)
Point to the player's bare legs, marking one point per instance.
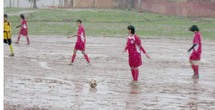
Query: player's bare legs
point(28, 41)
point(86, 57)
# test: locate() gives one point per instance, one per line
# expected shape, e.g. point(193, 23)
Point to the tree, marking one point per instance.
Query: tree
point(34, 3)
point(18, 3)
point(10, 3)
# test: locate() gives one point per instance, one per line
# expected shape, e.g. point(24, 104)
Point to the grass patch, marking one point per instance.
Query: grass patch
point(100, 22)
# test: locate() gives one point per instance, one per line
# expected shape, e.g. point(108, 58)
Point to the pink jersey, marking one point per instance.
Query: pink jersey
point(81, 40)
point(197, 50)
point(134, 50)
point(24, 28)
point(133, 43)
point(197, 40)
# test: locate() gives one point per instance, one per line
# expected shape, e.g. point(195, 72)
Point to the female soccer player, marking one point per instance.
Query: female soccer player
point(23, 30)
point(134, 48)
point(7, 34)
point(80, 43)
point(195, 56)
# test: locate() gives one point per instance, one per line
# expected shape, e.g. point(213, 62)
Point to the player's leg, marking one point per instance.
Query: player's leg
point(192, 65)
point(11, 47)
point(196, 66)
point(5, 41)
point(28, 41)
point(73, 56)
point(136, 75)
point(85, 56)
point(18, 38)
point(132, 73)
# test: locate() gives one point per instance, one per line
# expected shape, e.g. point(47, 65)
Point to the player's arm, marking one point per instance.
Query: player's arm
point(72, 36)
point(78, 34)
point(192, 47)
point(141, 47)
point(126, 48)
point(143, 50)
point(18, 26)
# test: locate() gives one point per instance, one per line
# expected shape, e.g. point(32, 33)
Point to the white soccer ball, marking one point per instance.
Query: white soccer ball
point(93, 83)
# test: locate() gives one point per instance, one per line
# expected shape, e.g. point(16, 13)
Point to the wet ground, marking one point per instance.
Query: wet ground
point(39, 77)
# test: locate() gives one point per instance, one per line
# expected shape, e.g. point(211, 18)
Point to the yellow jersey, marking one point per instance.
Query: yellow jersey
point(7, 30)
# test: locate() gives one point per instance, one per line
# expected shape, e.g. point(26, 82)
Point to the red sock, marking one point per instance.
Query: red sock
point(87, 59)
point(28, 39)
point(136, 75)
point(133, 73)
point(196, 70)
point(18, 38)
point(73, 58)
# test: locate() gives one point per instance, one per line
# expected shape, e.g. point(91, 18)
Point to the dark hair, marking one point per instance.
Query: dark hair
point(194, 28)
point(22, 16)
point(5, 15)
point(132, 28)
point(79, 21)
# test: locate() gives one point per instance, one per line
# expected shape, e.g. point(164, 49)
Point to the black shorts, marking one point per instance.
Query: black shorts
point(8, 41)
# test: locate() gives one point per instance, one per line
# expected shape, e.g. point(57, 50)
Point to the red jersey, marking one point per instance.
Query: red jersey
point(24, 24)
point(197, 40)
point(81, 35)
point(133, 43)
point(134, 51)
point(24, 28)
point(197, 50)
point(81, 40)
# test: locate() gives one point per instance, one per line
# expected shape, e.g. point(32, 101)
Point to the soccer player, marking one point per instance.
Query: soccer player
point(7, 34)
point(80, 43)
point(195, 56)
point(23, 30)
point(134, 48)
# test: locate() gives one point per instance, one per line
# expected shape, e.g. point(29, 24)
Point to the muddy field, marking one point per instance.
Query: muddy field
point(39, 77)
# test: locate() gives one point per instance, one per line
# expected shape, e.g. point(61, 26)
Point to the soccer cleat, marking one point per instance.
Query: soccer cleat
point(135, 83)
point(195, 76)
point(28, 44)
point(16, 42)
point(88, 64)
point(11, 55)
point(71, 63)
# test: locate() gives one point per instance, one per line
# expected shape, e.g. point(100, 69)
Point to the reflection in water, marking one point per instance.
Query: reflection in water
point(193, 103)
point(92, 90)
point(133, 100)
point(134, 89)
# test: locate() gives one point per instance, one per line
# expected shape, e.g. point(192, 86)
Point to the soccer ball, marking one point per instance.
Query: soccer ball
point(93, 83)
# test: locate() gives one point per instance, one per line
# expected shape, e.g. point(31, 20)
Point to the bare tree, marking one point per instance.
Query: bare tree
point(34, 3)
point(17, 3)
point(10, 3)
point(94, 3)
point(71, 3)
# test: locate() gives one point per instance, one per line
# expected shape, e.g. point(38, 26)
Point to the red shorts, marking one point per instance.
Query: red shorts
point(23, 32)
point(135, 60)
point(195, 56)
point(80, 46)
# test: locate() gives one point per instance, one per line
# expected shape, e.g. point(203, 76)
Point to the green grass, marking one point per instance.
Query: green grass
point(99, 22)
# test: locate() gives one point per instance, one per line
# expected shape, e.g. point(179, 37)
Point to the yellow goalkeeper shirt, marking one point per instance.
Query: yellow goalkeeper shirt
point(7, 30)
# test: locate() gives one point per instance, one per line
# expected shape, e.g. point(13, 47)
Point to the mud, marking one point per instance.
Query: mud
point(38, 77)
